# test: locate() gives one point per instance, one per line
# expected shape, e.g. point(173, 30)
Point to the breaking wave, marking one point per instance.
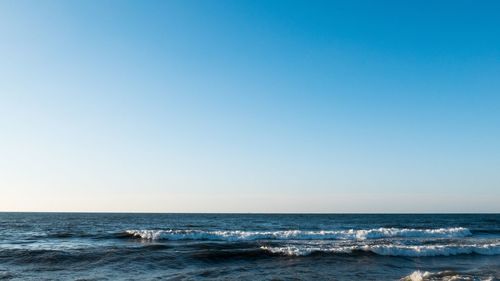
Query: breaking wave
point(444, 276)
point(389, 250)
point(350, 234)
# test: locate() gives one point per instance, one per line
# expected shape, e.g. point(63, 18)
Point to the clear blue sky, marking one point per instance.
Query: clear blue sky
point(250, 106)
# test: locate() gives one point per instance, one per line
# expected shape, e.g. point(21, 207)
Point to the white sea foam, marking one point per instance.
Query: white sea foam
point(294, 250)
point(350, 234)
point(435, 250)
point(389, 250)
point(417, 276)
point(443, 276)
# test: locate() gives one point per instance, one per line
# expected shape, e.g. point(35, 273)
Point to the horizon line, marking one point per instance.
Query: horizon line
point(258, 213)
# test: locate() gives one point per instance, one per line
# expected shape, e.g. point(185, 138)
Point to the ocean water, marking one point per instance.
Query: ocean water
point(84, 246)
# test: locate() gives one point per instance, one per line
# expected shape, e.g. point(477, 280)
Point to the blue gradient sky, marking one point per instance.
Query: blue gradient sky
point(250, 106)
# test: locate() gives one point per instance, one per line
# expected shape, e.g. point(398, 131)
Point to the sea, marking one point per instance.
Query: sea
point(120, 246)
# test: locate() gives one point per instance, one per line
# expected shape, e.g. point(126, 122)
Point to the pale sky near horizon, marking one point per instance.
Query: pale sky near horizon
point(250, 106)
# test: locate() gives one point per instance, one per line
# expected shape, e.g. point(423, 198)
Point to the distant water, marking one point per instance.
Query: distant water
point(78, 246)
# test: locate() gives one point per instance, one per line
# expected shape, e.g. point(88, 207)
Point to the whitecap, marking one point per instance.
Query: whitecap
point(443, 276)
point(350, 234)
point(389, 250)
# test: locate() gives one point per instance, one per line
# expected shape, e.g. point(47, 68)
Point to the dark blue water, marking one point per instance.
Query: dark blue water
point(77, 246)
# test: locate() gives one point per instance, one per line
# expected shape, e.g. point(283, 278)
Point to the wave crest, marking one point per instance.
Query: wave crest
point(350, 234)
point(389, 250)
point(442, 276)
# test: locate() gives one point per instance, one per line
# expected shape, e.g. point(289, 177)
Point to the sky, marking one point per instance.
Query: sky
point(250, 106)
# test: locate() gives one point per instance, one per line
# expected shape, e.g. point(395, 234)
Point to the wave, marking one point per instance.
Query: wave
point(389, 250)
point(350, 234)
point(443, 276)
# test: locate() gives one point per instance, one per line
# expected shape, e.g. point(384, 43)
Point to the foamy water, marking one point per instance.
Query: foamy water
point(444, 276)
point(350, 234)
point(390, 250)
